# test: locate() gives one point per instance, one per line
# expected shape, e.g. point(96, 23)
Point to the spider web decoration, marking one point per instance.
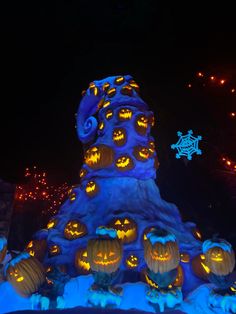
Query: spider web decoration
point(187, 145)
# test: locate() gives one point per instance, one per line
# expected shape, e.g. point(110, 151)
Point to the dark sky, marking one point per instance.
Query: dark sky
point(51, 50)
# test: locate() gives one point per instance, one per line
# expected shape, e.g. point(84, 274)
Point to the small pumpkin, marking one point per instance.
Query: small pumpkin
point(141, 124)
point(220, 257)
point(81, 261)
point(91, 188)
point(124, 163)
point(126, 228)
point(100, 156)
point(119, 80)
point(125, 114)
point(106, 86)
point(151, 148)
point(74, 229)
point(37, 248)
point(111, 92)
point(132, 261)
point(109, 114)
point(3, 248)
point(52, 223)
point(161, 251)
point(127, 90)
point(83, 172)
point(54, 250)
point(119, 136)
point(141, 153)
point(25, 273)
point(105, 251)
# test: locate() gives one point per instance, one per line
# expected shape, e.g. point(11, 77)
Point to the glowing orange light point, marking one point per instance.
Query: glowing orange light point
point(222, 82)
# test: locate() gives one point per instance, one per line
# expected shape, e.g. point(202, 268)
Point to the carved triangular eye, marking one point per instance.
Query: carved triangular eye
point(99, 254)
point(85, 254)
point(118, 222)
point(75, 225)
point(111, 253)
point(126, 221)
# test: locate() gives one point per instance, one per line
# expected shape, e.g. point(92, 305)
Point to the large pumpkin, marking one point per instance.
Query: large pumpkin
point(220, 257)
point(3, 248)
point(104, 252)
point(74, 229)
point(161, 251)
point(25, 273)
point(37, 248)
point(126, 228)
point(100, 156)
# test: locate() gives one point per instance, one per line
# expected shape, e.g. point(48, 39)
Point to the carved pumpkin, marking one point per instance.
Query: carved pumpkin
point(74, 229)
point(151, 148)
point(141, 124)
point(125, 114)
point(127, 90)
point(132, 261)
point(54, 250)
point(109, 114)
point(81, 261)
point(101, 126)
point(3, 248)
point(124, 163)
point(37, 248)
point(161, 251)
point(111, 92)
point(119, 80)
point(91, 188)
point(119, 136)
point(134, 85)
point(25, 273)
point(82, 173)
point(141, 153)
point(184, 257)
point(220, 257)
point(97, 157)
point(106, 103)
point(126, 229)
point(106, 86)
point(104, 252)
point(52, 223)
point(199, 267)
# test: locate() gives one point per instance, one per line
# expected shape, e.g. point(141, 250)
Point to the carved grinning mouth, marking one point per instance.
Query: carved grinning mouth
point(144, 155)
point(90, 188)
point(118, 137)
point(123, 164)
point(125, 234)
point(84, 265)
point(125, 115)
point(160, 258)
point(142, 124)
point(93, 158)
point(105, 263)
point(217, 259)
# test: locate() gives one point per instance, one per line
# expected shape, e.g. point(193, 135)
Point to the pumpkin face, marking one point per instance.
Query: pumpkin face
point(199, 267)
point(98, 157)
point(162, 253)
point(81, 261)
point(74, 229)
point(141, 153)
point(119, 136)
point(52, 223)
point(82, 173)
point(91, 188)
point(104, 254)
point(37, 248)
point(26, 274)
point(125, 114)
point(151, 148)
point(220, 262)
point(134, 85)
point(119, 80)
point(141, 124)
point(111, 92)
point(132, 261)
point(124, 163)
point(109, 114)
point(54, 250)
point(126, 229)
point(184, 257)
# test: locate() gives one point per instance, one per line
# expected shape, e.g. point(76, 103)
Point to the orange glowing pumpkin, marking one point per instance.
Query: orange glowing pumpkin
point(37, 248)
point(98, 157)
point(119, 136)
point(74, 229)
point(91, 188)
point(81, 261)
point(126, 229)
point(141, 124)
point(124, 163)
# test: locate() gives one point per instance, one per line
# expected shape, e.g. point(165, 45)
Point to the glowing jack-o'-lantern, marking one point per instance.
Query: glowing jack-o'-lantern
point(74, 229)
point(109, 114)
point(126, 228)
point(127, 90)
point(151, 148)
point(161, 251)
point(125, 114)
point(124, 163)
point(134, 85)
point(111, 92)
point(82, 173)
point(106, 86)
point(104, 252)
point(52, 223)
point(81, 261)
point(98, 157)
point(91, 188)
point(141, 124)
point(25, 273)
point(119, 80)
point(141, 153)
point(119, 136)
point(37, 248)
point(132, 261)
point(199, 267)
point(54, 250)
point(220, 257)
point(3, 248)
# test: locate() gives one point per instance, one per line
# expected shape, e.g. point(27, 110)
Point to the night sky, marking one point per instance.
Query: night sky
point(51, 51)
